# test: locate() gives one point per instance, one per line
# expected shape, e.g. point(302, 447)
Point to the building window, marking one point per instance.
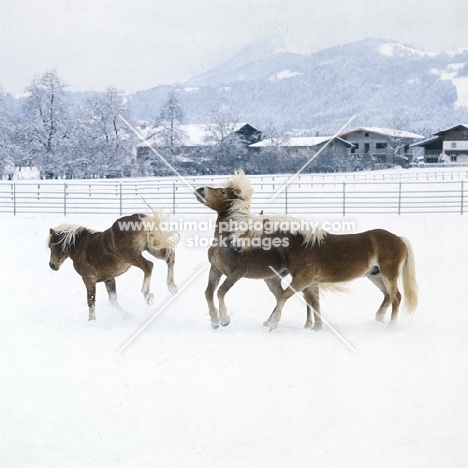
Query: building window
point(453, 158)
point(453, 144)
point(366, 134)
point(380, 145)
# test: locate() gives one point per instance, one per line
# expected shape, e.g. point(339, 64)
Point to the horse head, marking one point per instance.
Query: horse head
point(61, 241)
point(224, 199)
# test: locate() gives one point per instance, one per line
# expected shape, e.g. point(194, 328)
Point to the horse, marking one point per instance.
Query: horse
point(311, 256)
point(226, 260)
point(102, 256)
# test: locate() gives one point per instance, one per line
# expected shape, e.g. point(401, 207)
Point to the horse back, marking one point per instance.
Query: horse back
point(253, 264)
point(110, 253)
point(342, 257)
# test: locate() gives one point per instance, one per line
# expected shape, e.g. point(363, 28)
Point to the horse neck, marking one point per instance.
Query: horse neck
point(75, 246)
point(222, 217)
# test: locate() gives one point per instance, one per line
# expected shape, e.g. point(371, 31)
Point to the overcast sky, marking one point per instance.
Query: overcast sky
point(138, 44)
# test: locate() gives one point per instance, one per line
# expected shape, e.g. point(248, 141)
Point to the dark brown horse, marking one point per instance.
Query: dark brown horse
point(312, 257)
point(102, 256)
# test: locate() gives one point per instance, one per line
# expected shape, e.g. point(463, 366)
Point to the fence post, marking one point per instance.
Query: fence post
point(344, 198)
point(462, 194)
point(399, 198)
point(286, 199)
point(65, 199)
point(14, 198)
point(120, 198)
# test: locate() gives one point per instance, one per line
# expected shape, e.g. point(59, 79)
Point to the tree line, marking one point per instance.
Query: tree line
point(88, 139)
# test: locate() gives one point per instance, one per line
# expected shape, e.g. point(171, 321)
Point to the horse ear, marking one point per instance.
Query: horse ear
point(52, 232)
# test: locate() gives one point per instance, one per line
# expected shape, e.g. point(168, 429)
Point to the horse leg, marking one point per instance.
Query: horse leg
point(378, 281)
point(274, 285)
point(91, 294)
point(395, 299)
point(297, 284)
point(169, 256)
point(312, 297)
point(112, 291)
point(228, 283)
point(213, 282)
point(170, 260)
point(147, 267)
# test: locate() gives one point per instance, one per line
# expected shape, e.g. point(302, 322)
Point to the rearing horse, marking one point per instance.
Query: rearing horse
point(102, 256)
point(311, 257)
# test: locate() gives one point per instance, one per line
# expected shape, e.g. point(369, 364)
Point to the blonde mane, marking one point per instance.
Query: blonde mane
point(67, 234)
point(241, 185)
point(241, 215)
point(158, 238)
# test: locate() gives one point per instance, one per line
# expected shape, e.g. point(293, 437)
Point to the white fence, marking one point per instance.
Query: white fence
point(305, 195)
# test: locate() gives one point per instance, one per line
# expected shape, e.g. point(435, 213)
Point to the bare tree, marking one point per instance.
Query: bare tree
point(7, 149)
point(46, 122)
point(227, 148)
point(102, 140)
point(170, 119)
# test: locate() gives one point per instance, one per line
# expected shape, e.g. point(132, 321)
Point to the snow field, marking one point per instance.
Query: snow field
point(183, 394)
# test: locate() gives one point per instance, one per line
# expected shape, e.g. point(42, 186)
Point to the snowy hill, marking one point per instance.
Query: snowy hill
point(380, 81)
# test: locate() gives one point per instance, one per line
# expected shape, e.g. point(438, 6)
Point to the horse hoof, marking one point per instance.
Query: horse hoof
point(173, 289)
point(266, 324)
point(308, 325)
point(225, 323)
point(317, 327)
point(273, 327)
point(91, 318)
point(215, 325)
point(150, 299)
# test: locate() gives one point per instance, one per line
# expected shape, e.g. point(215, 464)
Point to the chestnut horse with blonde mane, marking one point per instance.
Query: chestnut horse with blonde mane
point(102, 256)
point(311, 256)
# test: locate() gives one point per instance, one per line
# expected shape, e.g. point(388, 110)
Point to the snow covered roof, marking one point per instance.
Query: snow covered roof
point(189, 134)
point(297, 142)
point(427, 142)
point(387, 132)
point(440, 132)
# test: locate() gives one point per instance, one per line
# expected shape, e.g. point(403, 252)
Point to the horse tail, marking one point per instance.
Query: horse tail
point(160, 237)
point(410, 286)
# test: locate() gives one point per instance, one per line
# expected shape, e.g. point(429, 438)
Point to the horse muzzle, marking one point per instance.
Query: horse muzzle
point(200, 194)
point(53, 266)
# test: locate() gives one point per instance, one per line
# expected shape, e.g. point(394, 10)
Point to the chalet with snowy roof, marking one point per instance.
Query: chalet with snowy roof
point(192, 135)
point(332, 157)
point(449, 145)
point(382, 145)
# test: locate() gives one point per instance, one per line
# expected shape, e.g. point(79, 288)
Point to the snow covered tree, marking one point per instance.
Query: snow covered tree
point(46, 123)
point(170, 119)
point(227, 148)
point(102, 140)
point(7, 149)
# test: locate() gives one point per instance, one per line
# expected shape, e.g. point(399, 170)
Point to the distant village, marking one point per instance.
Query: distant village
point(51, 138)
point(199, 150)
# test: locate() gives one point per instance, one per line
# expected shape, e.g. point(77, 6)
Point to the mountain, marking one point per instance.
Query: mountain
point(382, 82)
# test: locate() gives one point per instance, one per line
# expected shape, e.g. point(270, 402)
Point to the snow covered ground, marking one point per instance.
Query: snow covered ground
point(185, 395)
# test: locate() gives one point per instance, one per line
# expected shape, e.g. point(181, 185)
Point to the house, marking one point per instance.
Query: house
point(449, 145)
point(332, 157)
point(184, 137)
point(381, 145)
